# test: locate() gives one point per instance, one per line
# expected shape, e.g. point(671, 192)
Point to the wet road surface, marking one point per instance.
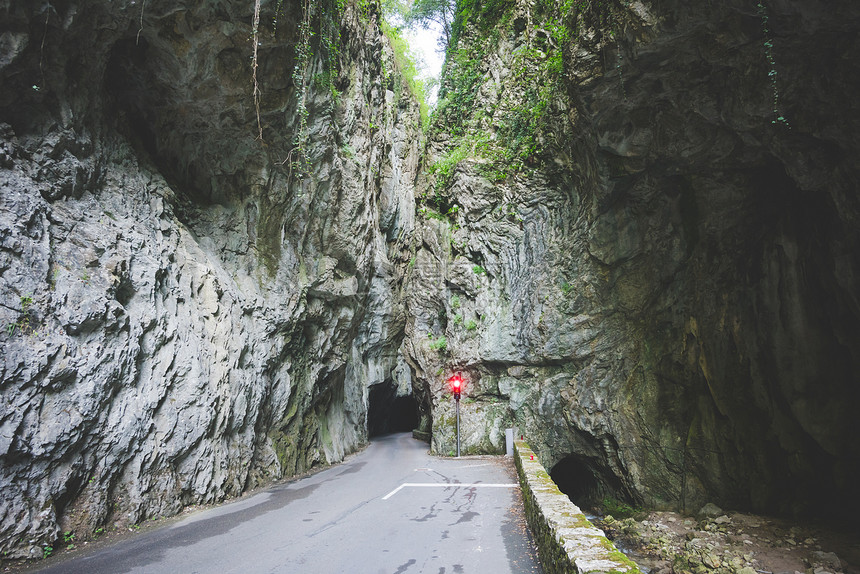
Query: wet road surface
point(392, 509)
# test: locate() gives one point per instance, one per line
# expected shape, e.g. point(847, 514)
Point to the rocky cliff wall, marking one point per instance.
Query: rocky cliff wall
point(639, 238)
point(191, 306)
point(636, 236)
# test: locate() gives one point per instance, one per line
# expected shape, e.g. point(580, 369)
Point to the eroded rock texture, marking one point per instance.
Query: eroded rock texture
point(185, 314)
point(642, 250)
point(637, 237)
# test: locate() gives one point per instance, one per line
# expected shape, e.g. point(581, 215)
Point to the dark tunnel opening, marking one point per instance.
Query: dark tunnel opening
point(388, 413)
point(585, 482)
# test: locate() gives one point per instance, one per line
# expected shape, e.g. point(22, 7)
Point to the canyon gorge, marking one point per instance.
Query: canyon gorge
point(232, 250)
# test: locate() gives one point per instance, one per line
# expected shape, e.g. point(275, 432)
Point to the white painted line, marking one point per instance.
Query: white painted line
point(393, 492)
point(449, 485)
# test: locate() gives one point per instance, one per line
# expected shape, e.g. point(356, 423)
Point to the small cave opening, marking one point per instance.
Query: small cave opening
point(586, 481)
point(390, 413)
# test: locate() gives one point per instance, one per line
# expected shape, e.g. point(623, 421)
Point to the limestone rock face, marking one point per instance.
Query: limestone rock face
point(636, 236)
point(639, 244)
point(189, 310)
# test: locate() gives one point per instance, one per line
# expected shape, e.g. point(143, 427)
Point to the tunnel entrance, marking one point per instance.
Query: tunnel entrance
point(586, 481)
point(388, 413)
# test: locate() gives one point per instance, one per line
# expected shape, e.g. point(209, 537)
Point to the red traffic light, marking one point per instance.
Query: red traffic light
point(456, 385)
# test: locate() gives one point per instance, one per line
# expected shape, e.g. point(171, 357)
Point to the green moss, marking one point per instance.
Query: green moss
point(617, 556)
point(325, 434)
point(284, 446)
point(619, 509)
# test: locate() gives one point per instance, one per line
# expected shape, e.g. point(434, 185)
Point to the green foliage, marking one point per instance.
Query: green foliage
point(347, 151)
point(318, 29)
point(47, 551)
point(484, 14)
point(455, 301)
point(440, 344)
point(523, 134)
point(471, 325)
point(619, 509)
point(395, 10)
point(459, 90)
point(458, 318)
point(479, 270)
point(407, 63)
point(431, 214)
point(444, 168)
point(303, 56)
point(426, 13)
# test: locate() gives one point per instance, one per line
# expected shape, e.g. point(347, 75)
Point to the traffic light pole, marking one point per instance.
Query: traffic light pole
point(458, 428)
point(457, 387)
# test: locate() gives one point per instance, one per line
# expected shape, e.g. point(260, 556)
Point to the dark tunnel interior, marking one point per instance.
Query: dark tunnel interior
point(389, 413)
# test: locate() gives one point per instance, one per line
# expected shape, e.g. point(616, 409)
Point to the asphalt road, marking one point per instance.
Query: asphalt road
point(392, 509)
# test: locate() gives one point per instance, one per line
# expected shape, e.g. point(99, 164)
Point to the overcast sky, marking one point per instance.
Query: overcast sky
point(426, 44)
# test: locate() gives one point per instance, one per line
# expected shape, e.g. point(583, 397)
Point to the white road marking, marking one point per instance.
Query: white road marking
point(449, 485)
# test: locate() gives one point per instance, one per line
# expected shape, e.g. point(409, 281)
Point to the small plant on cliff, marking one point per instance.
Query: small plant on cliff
point(440, 344)
point(444, 168)
point(22, 324)
point(69, 539)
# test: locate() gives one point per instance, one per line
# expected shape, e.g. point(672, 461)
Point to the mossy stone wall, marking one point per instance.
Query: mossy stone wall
point(567, 541)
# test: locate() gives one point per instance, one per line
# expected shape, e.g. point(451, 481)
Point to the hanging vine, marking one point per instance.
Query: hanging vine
point(779, 117)
point(304, 52)
point(318, 18)
point(255, 28)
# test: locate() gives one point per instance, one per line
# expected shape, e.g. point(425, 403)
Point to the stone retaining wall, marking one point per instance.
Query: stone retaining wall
point(567, 541)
